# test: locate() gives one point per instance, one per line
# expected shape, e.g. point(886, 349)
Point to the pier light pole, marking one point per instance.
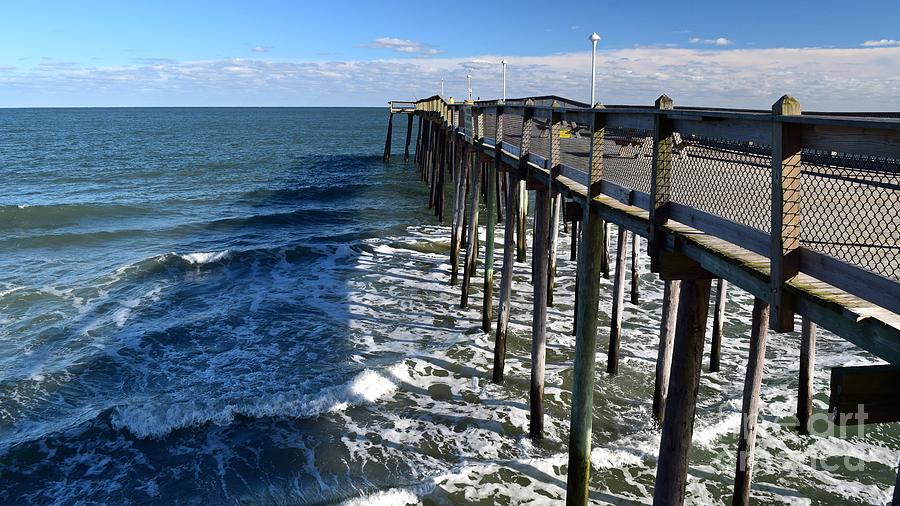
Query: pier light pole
point(594, 38)
point(469, 87)
point(503, 63)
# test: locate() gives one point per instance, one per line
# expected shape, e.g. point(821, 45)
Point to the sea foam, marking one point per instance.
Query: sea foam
point(155, 421)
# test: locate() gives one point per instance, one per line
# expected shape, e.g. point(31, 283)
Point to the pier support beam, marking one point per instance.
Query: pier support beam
point(573, 244)
point(615, 324)
point(556, 207)
point(409, 127)
point(752, 382)
point(490, 213)
point(807, 367)
point(715, 352)
point(681, 405)
point(387, 141)
point(472, 243)
point(666, 339)
point(521, 229)
point(506, 277)
point(539, 315)
point(896, 500)
point(635, 268)
point(604, 255)
point(459, 212)
point(586, 307)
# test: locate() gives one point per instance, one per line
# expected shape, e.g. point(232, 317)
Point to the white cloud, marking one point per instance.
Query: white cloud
point(402, 46)
point(881, 43)
point(821, 78)
point(721, 41)
point(261, 49)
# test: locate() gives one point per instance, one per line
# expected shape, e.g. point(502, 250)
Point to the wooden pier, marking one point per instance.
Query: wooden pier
point(801, 210)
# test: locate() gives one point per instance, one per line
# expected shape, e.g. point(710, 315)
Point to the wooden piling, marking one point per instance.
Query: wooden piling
point(588, 281)
point(506, 277)
point(492, 171)
point(418, 142)
point(409, 126)
point(472, 243)
point(459, 215)
point(573, 244)
point(807, 367)
point(521, 229)
point(752, 382)
point(539, 314)
point(387, 140)
point(556, 207)
point(604, 255)
point(715, 351)
point(615, 324)
point(896, 499)
point(681, 405)
point(671, 290)
point(491, 218)
point(635, 269)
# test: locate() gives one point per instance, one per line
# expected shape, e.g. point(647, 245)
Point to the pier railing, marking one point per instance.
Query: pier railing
point(835, 178)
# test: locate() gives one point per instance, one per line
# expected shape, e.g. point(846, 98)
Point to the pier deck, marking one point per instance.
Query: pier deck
point(706, 188)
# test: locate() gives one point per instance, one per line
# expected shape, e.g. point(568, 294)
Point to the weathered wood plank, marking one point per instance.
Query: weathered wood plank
point(865, 394)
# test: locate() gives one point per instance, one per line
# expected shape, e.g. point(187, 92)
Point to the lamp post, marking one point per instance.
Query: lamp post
point(594, 38)
point(503, 63)
point(469, 87)
point(442, 86)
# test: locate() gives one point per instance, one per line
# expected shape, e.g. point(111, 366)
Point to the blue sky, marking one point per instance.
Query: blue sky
point(91, 53)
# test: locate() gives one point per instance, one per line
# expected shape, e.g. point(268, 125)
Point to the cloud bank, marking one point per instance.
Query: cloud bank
point(865, 78)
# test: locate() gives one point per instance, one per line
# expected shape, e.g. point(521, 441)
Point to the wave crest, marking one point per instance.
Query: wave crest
point(155, 421)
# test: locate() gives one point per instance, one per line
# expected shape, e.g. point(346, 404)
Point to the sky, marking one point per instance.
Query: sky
point(831, 55)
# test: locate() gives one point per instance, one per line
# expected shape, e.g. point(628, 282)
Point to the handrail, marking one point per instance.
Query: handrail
point(844, 137)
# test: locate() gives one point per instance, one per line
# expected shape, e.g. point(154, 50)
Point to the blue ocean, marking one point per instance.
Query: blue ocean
point(246, 306)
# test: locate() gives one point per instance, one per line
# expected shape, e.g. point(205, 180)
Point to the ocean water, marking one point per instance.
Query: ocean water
point(223, 306)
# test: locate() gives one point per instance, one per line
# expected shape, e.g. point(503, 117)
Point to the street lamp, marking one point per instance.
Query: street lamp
point(594, 38)
point(442, 86)
point(469, 87)
point(503, 63)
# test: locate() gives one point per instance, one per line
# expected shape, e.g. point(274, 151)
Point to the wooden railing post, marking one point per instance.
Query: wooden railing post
point(661, 179)
point(491, 215)
point(588, 280)
point(786, 226)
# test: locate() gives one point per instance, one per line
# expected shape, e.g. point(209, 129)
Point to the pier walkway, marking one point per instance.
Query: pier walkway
point(801, 210)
